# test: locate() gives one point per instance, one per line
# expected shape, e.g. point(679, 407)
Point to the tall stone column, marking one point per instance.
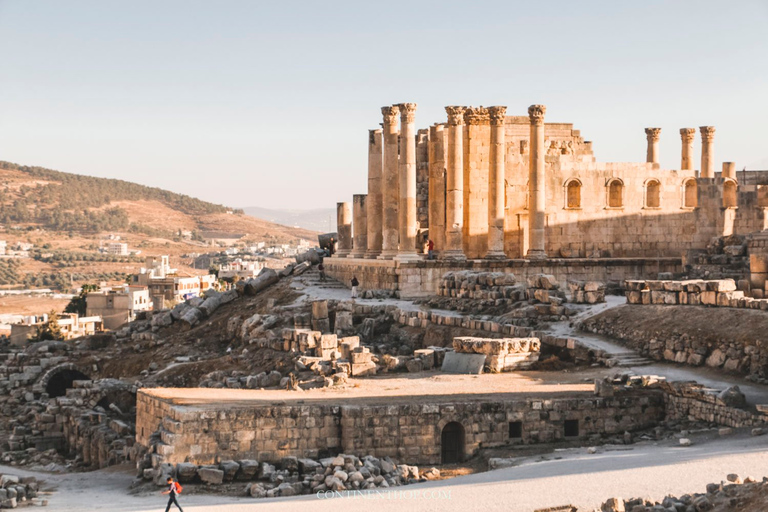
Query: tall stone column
point(652, 155)
point(344, 229)
point(707, 151)
point(390, 190)
point(437, 186)
point(359, 226)
point(454, 186)
point(729, 170)
point(373, 203)
point(686, 157)
point(537, 197)
point(408, 221)
point(496, 185)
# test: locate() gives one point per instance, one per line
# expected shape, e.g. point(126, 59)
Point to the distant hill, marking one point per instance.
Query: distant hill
point(35, 197)
point(315, 220)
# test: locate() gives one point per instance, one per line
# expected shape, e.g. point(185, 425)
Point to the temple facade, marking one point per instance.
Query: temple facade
point(484, 185)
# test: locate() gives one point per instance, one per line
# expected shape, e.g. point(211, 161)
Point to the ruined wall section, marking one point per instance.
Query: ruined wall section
point(411, 432)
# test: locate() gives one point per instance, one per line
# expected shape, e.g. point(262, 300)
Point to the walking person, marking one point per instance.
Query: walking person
point(430, 249)
point(174, 489)
point(355, 283)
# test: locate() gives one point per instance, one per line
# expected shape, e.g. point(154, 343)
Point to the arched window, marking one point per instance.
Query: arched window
point(690, 199)
point(652, 194)
point(615, 193)
point(573, 194)
point(729, 194)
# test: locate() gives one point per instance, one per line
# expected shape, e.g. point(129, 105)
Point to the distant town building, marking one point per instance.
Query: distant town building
point(118, 248)
point(241, 269)
point(72, 326)
point(118, 305)
point(221, 238)
point(165, 285)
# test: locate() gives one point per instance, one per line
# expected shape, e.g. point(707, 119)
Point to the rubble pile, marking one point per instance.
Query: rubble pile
point(293, 476)
point(723, 258)
point(730, 495)
point(18, 491)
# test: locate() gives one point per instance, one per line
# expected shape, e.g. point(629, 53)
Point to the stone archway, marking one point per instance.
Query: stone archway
point(57, 380)
point(452, 443)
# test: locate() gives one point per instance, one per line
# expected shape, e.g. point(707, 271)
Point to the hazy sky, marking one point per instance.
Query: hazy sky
point(252, 103)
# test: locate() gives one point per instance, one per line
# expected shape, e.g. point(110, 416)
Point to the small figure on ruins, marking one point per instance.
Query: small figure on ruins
point(321, 269)
point(430, 249)
point(355, 283)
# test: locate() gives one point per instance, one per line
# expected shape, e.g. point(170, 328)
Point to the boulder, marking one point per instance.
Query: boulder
point(256, 490)
point(733, 397)
point(186, 471)
point(230, 469)
point(613, 505)
point(249, 469)
point(191, 317)
point(210, 475)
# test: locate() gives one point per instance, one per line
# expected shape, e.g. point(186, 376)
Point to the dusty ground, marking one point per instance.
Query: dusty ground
point(401, 387)
point(568, 476)
point(30, 305)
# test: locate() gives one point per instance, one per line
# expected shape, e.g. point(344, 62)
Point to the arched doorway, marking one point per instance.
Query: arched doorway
point(452, 443)
point(62, 380)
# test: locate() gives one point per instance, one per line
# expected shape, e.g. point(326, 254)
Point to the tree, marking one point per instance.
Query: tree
point(78, 302)
point(50, 330)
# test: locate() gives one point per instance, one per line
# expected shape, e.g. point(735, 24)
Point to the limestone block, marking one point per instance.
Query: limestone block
point(463, 363)
point(249, 469)
point(210, 475)
point(721, 285)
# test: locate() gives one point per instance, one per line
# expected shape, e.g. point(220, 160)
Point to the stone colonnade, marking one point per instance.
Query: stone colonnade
point(386, 222)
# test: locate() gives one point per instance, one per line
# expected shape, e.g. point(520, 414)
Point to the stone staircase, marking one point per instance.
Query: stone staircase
point(629, 358)
point(312, 278)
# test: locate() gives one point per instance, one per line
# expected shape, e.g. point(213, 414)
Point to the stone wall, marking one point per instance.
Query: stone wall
point(691, 401)
point(409, 431)
point(423, 278)
point(693, 292)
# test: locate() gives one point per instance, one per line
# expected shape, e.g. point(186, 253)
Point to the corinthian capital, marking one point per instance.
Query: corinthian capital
point(497, 115)
point(390, 114)
point(455, 115)
point(652, 134)
point(407, 112)
point(687, 134)
point(707, 133)
point(476, 116)
point(536, 113)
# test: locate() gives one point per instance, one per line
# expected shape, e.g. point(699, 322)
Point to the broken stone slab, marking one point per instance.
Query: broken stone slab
point(186, 471)
point(210, 475)
point(469, 364)
point(249, 469)
point(228, 296)
point(230, 469)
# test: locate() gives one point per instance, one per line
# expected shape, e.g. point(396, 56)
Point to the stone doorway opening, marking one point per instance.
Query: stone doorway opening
point(61, 381)
point(452, 443)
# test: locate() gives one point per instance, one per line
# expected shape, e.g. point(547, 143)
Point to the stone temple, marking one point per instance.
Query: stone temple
point(494, 191)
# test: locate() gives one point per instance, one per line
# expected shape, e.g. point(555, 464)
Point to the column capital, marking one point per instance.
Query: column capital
point(536, 113)
point(476, 116)
point(687, 134)
point(407, 112)
point(707, 133)
point(455, 115)
point(497, 114)
point(652, 134)
point(390, 114)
